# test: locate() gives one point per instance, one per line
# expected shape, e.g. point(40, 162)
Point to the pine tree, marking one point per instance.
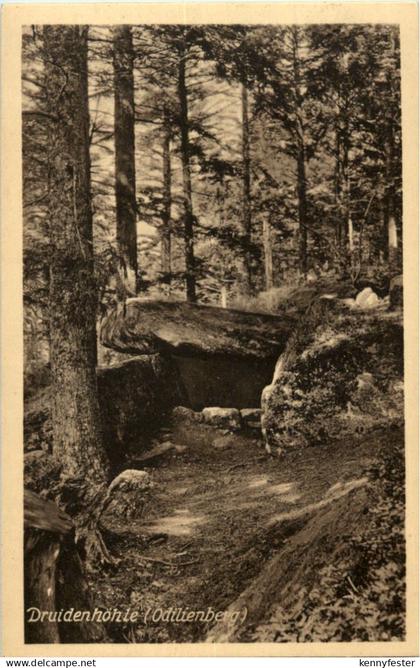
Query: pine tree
point(125, 173)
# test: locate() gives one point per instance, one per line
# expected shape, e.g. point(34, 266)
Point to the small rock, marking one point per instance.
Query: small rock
point(225, 418)
point(396, 292)
point(184, 414)
point(311, 277)
point(254, 425)
point(223, 442)
point(367, 299)
point(128, 492)
point(249, 415)
point(365, 381)
point(180, 449)
point(349, 302)
point(163, 446)
point(131, 479)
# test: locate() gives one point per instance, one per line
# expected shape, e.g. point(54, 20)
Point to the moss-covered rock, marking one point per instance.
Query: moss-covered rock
point(341, 373)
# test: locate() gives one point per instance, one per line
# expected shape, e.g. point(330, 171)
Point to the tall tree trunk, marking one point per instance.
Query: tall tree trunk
point(268, 254)
point(186, 179)
point(300, 156)
point(125, 172)
point(77, 433)
point(345, 230)
point(346, 194)
point(220, 199)
point(390, 236)
point(337, 186)
point(389, 233)
point(246, 193)
point(350, 233)
point(166, 265)
point(302, 210)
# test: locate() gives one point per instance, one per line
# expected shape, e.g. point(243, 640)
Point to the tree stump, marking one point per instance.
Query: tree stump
point(54, 577)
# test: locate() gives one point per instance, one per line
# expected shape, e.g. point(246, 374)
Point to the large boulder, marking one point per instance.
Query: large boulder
point(134, 398)
point(341, 373)
point(295, 301)
point(225, 357)
point(187, 330)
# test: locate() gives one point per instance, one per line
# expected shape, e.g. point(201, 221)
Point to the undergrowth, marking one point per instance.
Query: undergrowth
point(360, 594)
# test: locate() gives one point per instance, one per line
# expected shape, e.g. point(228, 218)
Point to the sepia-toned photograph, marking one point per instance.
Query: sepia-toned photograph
point(213, 336)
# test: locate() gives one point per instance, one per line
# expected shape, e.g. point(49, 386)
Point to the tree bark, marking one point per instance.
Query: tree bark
point(41, 552)
point(125, 172)
point(246, 192)
point(345, 236)
point(350, 233)
point(268, 255)
point(166, 266)
point(302, 210)
point(390, 237)
point(54, 577)
point(77, 433)
point(389, 232)
point(300, 159)
point(342, 194)
point(220, 199)
point(337, 185)
point(186, 179)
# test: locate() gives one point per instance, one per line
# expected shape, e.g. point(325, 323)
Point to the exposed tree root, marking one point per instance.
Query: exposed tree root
point(86, 502)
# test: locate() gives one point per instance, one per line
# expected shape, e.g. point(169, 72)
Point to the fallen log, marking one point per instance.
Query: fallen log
point(54, 577)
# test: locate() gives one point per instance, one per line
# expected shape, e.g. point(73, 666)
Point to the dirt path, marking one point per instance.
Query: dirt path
point(203, 533)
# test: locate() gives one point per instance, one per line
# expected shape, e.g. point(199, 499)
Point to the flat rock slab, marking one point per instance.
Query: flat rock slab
point(190, 329)
point(224, 418)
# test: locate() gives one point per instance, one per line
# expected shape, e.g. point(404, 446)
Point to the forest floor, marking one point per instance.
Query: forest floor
point(211, 522)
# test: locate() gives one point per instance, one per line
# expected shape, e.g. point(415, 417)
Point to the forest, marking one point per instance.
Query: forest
point(205, 206)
